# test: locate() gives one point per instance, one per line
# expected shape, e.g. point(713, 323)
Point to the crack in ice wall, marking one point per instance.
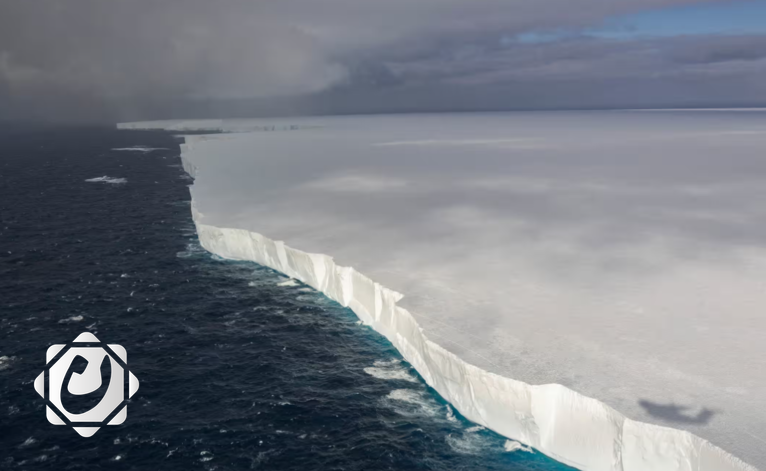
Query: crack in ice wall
point(561, 423)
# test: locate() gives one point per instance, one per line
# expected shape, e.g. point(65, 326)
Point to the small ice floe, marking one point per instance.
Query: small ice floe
point(70, 320)
point(118, 458)
point(289, 282)
point(511, 446)
point(106, 179)
point(205, 456)
point(138, 149)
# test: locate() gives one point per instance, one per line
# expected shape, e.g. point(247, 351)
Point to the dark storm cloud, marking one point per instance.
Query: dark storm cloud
point(722, 49)
point(584, 58)
point(129, 59)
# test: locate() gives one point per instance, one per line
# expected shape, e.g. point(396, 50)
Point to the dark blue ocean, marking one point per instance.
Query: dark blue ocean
point(236, 371)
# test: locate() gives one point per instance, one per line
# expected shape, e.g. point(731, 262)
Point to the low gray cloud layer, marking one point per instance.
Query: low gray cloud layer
point(128, 59)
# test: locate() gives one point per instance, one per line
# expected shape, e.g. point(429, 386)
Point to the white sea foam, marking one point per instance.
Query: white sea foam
point(468, 443)
point(511, 446)
point(29, 441)
point(451, 415)
point(106, 179)
point(70, 320)
point(412, 403)
point(5, 362)
point(191, 250)
point(391, 374)
point(406, 395)
point(289, 282)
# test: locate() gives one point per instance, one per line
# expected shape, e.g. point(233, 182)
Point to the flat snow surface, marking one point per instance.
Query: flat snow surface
point(620, 254)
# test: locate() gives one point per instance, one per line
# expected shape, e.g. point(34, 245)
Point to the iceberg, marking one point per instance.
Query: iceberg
point(586, 284)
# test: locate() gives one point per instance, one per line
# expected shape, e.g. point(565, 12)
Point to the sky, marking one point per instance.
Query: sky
point(97, 61)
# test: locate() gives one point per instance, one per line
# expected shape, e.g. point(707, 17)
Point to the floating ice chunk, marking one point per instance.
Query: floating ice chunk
point(106, 179)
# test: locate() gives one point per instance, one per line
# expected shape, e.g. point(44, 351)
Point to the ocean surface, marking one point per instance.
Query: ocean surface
point(239, 367)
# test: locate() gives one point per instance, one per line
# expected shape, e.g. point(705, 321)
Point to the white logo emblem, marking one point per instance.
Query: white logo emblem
point(59, 374)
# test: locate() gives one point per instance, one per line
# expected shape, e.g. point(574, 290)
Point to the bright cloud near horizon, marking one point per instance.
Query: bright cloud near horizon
point(90, 60)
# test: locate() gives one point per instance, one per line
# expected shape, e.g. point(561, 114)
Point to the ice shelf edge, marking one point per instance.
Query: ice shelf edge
point(571, 428)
